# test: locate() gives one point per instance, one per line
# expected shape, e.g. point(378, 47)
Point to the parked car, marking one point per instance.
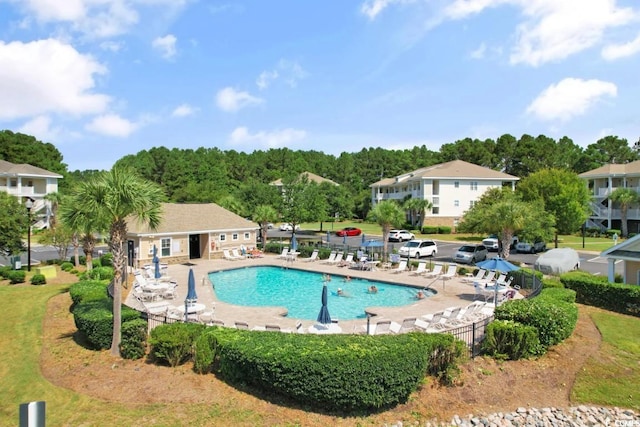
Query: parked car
point(418, 248)
point(470, 254)
point(270, 225)
point(538, 245)
point(400, 236)
point(558, 261)
point(492, 242)
point(288, 227)
point(349, 231)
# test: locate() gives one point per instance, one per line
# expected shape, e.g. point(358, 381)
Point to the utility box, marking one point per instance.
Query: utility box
point(16, 262)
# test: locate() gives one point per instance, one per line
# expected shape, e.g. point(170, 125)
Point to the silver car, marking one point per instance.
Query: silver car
point(470, 254)
point(400, 235)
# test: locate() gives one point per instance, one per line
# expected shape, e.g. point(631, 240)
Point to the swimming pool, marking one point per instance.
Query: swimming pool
point(300, 292)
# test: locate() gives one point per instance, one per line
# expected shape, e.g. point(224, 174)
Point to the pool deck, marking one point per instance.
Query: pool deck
point(450, 293)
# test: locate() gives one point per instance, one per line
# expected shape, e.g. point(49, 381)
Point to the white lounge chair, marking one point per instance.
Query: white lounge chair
point(478, 276)
point(407, 325)
point(236, 254)
point(437, 270)
point(380, 328)
point(347, 261)
point(452, 271)
point(337, 259)
point(313, 257)
point(285, 252)
point(487, 279)
point(332, 257)
point(400, 268)
point(228, 256)
point(422, 269)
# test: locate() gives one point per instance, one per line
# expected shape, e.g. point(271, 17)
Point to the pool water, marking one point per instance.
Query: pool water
point(300, 292)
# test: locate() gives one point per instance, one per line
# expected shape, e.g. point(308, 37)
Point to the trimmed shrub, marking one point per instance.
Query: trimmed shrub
point(429, 229)
point(444, 230)
point(598, 292)
point(134, 339)
point(204, 352)
point(506, 339)
point(66, 266)
point(98, 273)
point(339, 372)
point(88, 290)
point(95, 263)
point(554, 320)
point(17, 276)
point(552, 283)
point(94, 319)
point(38, 279)
point(559, 294)
point(173, 343)
point(4, 271)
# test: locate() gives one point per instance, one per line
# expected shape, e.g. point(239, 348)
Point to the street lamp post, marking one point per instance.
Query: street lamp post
point(29, 204)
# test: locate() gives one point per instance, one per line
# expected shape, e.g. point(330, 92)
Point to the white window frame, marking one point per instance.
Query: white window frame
point(235, 236)
point(474, 185)
point(456, 203)
point(456, 184)
point(222, 237)
point(247, 235)
point(162, 246)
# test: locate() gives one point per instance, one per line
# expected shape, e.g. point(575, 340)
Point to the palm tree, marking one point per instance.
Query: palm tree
point(84, 228)
point(263, 215)
point(416, 208)
point(115, 196)
point(625, 197)
point(54, 200)
point(387, 214)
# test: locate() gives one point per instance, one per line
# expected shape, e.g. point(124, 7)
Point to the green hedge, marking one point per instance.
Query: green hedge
point(133, 343)
point(98, 273)
point(338, 372)
point(17, 276)
point(558, 294)
point(86, 290)
point(554, 319)
point(506, 339)
point(444, 230)
point(107, 260)
point(94, 319)
point(173, 343)
point(38, 279)
point(598, 292)
point(66, 266)
point(429, 229)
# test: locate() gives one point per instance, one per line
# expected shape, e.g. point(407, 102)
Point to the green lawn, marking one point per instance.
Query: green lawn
point(595, 244)
point(610, 379)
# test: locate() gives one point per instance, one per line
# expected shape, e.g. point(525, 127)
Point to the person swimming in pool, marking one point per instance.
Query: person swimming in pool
point(373, 289)
point(420, 295)
point(326, 277)
point(347, 278)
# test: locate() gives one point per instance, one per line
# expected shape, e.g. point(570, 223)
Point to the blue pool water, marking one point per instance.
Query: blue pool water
point(301, 291)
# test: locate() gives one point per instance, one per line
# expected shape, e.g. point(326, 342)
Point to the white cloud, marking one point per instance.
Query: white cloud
point(569, 98)
point(95, 18)
point(183, 110)
point(552, 30)
point(165, 45)
point(291, 72)
point(230, 100)
point(372, 8)
point(111, 125)
point(617, 51)
point(48, 76)
point(265, 78)
point(274, 139)
point(40, 127)
point(111, 46)
point(479, 52)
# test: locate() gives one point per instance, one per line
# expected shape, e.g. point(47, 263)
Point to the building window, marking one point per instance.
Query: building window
point(456, 184)
point(13, 183)
point(474, 185)
point(223, 237)
point(234, 236)
point(456, 203)
point(436, 201)
point(435, 210)
point(166, 247)
point(472, 203)
point(247, 236)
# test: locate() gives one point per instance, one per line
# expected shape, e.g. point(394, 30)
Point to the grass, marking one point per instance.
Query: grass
point(609, 379)
point(613, 376)
point(595, 244)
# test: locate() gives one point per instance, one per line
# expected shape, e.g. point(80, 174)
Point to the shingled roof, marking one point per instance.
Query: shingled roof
point(453, 169)
point(24, 169)
point(310, 176)
point(613, 169)
point(193, 218)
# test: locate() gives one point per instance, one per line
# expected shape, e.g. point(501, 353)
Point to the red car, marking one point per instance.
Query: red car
point(349, 231)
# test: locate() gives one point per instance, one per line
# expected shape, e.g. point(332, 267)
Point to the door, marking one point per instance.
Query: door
point(130, 253)
point(194, 246)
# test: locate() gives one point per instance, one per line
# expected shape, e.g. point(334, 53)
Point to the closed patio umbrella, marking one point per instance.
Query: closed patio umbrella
point(156, 263)
point(324, 317)
point(328, 237)
point(363, 238)
point(294, 243)
point(191, 287)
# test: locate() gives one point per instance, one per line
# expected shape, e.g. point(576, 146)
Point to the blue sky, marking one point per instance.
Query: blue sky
point(101, 79)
